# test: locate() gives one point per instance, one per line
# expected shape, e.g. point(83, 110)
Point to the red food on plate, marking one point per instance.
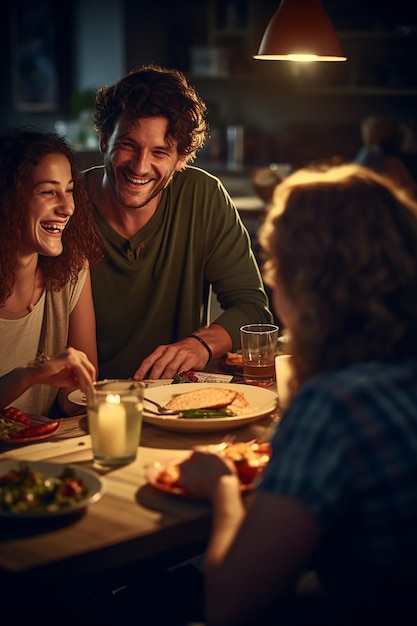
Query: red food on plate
point(249, 459)
point(15, 414)
point(36, 431)
point(169, 475)
point(187, 376)
point(18, 427)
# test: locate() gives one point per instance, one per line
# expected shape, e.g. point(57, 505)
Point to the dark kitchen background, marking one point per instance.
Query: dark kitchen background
point(55, 55)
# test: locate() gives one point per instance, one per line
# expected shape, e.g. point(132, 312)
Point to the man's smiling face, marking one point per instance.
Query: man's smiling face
point(140, 160)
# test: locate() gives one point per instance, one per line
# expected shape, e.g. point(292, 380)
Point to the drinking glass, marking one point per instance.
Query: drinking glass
point(259, 348)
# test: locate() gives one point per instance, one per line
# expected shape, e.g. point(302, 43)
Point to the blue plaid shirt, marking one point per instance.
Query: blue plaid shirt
point(347, 447)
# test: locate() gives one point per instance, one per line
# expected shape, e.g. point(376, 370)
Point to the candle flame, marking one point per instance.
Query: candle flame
point(113, 398)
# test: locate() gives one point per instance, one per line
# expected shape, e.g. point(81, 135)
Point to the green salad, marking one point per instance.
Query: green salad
point(24, 490)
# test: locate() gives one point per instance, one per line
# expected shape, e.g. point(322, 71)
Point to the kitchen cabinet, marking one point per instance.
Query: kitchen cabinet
point(233, 34)
point(381, 58)
point(299, 112)
point(380, 64)
point(230, 26)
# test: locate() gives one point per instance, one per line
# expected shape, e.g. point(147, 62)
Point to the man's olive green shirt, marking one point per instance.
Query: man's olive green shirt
point(155, 288)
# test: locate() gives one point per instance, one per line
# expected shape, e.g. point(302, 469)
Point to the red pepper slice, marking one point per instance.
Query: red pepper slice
point(36, 431)
point(15, 414)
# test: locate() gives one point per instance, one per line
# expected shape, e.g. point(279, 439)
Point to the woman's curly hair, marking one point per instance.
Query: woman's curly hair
point(153, 91)
point(21, 150)
point(342, 245)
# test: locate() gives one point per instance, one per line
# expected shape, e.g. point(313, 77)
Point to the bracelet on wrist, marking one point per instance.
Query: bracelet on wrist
point(203, 343)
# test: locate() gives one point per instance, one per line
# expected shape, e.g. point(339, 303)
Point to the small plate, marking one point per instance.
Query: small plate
point(78, 397)
point(262, 401)
point(92, 480)
point(37, 420)
point(235, 369)
point(153, 472)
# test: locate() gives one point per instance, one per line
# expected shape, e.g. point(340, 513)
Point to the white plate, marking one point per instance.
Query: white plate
point(262, 400)
point(92, 480)
point(78, 397)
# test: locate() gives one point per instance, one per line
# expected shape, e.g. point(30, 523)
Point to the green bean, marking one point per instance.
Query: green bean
point(206, 413)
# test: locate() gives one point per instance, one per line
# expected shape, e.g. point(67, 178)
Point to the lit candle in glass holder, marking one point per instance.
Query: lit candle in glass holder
point(114, 410)
point(112, 426)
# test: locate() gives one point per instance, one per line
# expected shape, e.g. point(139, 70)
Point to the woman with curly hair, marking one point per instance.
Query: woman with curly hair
point(47, 243)
point(339, 495)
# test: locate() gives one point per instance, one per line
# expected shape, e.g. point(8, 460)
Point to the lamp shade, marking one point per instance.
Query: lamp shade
point(300, 30)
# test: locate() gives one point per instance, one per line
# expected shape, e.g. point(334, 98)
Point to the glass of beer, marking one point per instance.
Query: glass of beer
point(259, 349)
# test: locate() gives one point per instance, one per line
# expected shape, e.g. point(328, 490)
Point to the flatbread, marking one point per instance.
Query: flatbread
point(207, 398)
point(240, 405)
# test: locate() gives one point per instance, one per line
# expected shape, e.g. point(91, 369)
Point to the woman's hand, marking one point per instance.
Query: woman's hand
point(71, 368)
point(201, 472)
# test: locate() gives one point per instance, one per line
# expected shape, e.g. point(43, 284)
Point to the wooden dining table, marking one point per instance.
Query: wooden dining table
point(133, 528)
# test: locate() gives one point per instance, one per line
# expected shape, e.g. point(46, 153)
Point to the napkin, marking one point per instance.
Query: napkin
point(203, 377)
point(207, 377)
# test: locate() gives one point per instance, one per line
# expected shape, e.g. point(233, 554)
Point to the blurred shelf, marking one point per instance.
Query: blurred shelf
point(343, 91)
point(377, 34)
point(360, 91)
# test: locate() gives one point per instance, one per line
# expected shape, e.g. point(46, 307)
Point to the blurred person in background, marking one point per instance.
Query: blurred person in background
point(47, 242)
point(382, 139)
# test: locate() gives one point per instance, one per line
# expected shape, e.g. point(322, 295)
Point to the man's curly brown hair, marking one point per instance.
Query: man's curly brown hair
point(342, 245)
point(153, 91)
point(21, 150)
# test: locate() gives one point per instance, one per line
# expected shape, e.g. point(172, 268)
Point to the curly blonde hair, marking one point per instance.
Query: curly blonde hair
point(342, 243)
point(21, 150)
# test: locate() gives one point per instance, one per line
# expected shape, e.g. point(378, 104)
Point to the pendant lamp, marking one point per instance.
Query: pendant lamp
point(300, 30)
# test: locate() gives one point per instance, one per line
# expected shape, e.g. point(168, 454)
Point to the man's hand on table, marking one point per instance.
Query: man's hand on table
point(167, 360)
point(188, 354)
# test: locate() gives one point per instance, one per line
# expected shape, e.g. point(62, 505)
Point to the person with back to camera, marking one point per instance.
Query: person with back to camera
point(171, 232)
point(47, 323)
point(340, 492)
